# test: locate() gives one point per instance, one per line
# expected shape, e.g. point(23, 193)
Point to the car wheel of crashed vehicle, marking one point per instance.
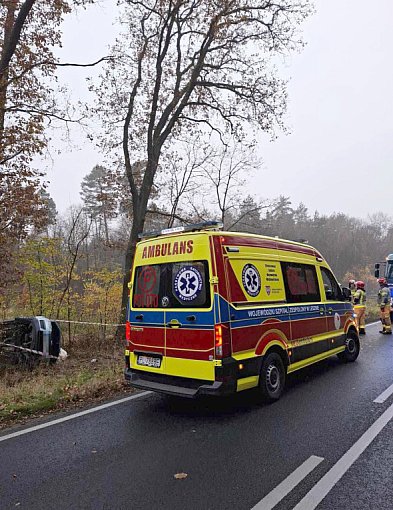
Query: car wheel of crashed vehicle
point(352, 348)
point(272, 377)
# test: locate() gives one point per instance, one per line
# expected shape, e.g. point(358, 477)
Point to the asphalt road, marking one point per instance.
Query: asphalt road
point(235, 452)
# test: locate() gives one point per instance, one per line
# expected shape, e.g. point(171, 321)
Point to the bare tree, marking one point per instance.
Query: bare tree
point(192, 66)
point(78, 231)
point(226, 171)
point(181, 179)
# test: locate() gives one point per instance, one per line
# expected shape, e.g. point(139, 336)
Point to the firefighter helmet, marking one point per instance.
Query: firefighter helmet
point(382, 281)
point(360, 285)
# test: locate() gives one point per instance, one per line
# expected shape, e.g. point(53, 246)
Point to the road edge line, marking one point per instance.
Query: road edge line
point(73, 416)
point(372, 323)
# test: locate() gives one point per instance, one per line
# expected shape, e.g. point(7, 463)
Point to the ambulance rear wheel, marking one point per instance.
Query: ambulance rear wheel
point(272, 377)
point(352, 348)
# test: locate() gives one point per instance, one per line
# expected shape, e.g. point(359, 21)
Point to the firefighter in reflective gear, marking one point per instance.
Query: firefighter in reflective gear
point(384, 304)
point(359, 306)
point(352, 288)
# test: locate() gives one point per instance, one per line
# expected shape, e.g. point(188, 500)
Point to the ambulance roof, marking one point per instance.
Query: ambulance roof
point(212, 228)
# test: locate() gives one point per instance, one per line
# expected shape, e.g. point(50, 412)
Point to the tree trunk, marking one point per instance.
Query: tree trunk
point(139, 215)
point(137, 226)
point(9, 23)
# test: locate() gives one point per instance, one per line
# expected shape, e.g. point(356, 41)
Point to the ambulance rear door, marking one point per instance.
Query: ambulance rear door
point(189, 320)
point(147, 319)
point(172, 310)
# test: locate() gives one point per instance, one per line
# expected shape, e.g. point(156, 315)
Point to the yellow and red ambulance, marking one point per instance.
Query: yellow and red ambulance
point(215, 312)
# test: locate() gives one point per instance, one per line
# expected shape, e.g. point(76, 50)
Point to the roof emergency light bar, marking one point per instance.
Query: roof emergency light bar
point(205, 225)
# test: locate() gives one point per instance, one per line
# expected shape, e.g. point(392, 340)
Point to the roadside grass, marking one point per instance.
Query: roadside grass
point(372, 312)
point(77, 381)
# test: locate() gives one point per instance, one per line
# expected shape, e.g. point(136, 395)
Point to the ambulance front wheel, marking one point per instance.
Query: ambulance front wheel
point(352, 348)
point(272, 377)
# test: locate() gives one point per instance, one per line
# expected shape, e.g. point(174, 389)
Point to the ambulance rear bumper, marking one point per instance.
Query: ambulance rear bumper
point(179, 386)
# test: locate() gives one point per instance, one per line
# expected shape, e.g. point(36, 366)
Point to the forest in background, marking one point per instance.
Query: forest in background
point(183, 97)
point(71, 267)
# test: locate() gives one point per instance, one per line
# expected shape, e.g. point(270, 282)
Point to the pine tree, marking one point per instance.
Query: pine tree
point(99, 195)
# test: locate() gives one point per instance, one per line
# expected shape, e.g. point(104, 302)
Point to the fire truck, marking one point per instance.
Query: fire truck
point(385, 269)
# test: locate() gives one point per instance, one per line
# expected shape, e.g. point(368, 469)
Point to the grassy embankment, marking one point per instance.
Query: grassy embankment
point(75, 382)
point(372, 312)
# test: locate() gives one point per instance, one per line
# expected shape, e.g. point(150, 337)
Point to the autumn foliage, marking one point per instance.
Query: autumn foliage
point(182, 99)
point(29, 103)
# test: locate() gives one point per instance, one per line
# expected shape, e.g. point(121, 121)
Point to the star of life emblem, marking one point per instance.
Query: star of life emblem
point(188, 283)
point(251, 280)
point(337, 321)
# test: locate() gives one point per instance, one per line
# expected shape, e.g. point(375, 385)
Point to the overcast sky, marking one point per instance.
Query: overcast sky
point(338, 156)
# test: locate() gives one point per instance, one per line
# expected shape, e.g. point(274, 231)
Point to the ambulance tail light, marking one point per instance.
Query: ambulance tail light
point(222, 341)
point(128, 332)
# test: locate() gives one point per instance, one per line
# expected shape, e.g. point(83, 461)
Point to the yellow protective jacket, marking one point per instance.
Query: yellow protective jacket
point(383, 296)
point(359, 298)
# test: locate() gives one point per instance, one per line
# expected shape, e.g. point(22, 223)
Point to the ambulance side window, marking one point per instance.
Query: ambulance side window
point(332, 288)
point(301, 283)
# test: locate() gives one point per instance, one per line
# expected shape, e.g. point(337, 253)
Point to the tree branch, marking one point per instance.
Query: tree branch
point(167, 215)
point(10, 45)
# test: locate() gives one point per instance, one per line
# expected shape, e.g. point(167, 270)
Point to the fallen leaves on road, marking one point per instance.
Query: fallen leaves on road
point(180, 476)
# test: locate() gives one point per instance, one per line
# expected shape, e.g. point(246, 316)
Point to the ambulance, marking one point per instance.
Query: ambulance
point(214, 313)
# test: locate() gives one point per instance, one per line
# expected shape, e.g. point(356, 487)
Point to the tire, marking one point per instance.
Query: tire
point(272, 377)
point(352, 348)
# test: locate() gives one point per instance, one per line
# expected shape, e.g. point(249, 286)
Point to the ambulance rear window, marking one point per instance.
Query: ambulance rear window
point(174, 285)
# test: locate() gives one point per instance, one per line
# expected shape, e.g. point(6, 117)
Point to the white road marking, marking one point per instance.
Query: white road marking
point(285, 487)
point(372, 323)
point(73, 416)
point(312, 499)
point(384, 395)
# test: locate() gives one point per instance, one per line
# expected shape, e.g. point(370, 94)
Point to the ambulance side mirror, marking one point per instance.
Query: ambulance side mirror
point(346, 293)
point(376, 270)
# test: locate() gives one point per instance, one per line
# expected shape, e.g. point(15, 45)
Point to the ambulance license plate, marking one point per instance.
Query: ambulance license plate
point(148, 361)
